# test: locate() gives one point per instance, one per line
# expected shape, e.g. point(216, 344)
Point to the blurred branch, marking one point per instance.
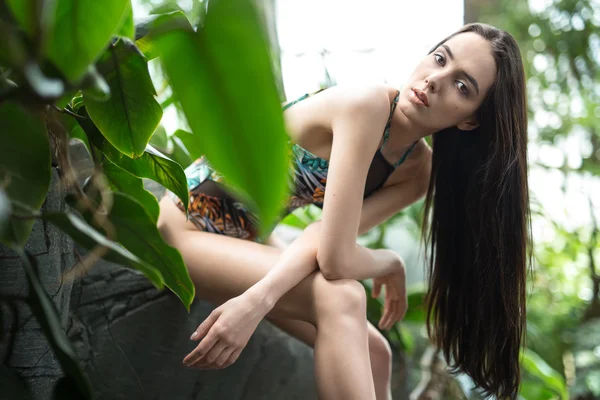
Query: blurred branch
point(436, 383)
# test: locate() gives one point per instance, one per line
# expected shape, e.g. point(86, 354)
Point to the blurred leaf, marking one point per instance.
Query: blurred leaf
point(24, 165)
point(180, 153)
point(74, 130)
point(295, 221)
point(152, 164)
point(138, 233)
point(128, 28)
point(416, 307)
point(535, 391)
point(82, 30)
point(128, 119)
point(536, 366)
point(154, 26)
point(159, 139)
point(122, 181)
point(45, 312)
point(13, 51)
point(25, 14)
point(87, 237)
point(244, 139)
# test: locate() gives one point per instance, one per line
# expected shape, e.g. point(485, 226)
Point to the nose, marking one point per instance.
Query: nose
point(434, 81)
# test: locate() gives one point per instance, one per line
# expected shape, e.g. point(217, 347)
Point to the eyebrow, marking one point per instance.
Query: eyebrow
point(469, 77)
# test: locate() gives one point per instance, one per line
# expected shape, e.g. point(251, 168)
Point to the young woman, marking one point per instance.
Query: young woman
point(366, 146)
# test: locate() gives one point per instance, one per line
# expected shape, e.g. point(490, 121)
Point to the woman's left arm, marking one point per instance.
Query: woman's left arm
point(345, 214)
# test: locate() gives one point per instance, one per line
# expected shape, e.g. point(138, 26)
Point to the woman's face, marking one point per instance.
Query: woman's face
point(449, 85)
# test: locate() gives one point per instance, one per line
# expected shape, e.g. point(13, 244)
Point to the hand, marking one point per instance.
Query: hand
point(225, 333)
point(396, 302)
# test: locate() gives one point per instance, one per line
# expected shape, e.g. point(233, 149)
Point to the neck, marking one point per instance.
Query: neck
point(409, 131)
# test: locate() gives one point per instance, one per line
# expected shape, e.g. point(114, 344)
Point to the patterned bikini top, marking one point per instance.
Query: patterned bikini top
point(310, 171)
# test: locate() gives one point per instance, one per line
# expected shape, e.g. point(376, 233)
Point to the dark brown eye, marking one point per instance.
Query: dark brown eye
point(462, 88)
point(440, 59)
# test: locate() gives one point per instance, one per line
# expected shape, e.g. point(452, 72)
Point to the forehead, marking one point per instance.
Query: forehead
point(473, 54)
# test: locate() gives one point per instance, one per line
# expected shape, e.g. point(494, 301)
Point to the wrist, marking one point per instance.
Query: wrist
point(260, 298)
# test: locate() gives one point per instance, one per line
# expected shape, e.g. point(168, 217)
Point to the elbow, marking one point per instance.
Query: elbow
point(332, 266)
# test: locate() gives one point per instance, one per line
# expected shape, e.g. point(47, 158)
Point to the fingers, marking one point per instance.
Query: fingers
point(207, 361)
point(386, 314)
point(202, 349)
point(390, 315)
point(376, 291)
point(205, 326)
point(221, 361)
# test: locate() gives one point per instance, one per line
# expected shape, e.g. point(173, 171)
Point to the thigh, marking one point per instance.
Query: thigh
point(223, 267)
point(306, 332)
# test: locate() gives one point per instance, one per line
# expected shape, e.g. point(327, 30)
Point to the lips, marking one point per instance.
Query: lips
point(421, 96)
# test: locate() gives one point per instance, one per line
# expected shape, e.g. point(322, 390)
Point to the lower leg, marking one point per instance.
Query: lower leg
point(380, 353)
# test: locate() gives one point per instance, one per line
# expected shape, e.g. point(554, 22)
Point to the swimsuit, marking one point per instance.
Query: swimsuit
point(213, 209)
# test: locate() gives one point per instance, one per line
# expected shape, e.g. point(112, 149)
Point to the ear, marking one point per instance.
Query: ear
point(468, 124)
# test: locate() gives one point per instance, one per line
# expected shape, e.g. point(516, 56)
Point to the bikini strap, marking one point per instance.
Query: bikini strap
point(406, 154)
point(386, 132)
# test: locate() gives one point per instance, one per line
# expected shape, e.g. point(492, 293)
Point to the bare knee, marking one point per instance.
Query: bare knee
point(341, 297)
point(380, 352)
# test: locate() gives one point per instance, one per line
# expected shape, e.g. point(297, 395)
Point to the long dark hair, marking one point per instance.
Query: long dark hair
point(479, 234)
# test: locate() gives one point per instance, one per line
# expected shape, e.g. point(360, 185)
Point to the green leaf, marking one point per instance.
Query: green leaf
point(25, 164)
point(24, 12)
point(122, 181)
point(132, 114)
point(94, 86)
point(152, 164)
point(160, 140)
point(45, 311)
point(416, 306)
point(82, 30)
point(128, 28)
point(87, 237)
point(244, 139)
point(180, 153)
point(295, 221)
point(136, 231)
point(74, 130)
point(148, 30)
point(190, 143)
point(535, 391)
point(537, 367)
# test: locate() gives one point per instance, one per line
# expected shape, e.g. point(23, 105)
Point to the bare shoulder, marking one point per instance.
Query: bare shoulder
point(338, 106)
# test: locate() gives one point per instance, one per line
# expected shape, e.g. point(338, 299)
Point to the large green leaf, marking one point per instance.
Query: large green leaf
point(88, 237)
point(536, 366)
point(128, 28)
point(152, 164)
point(45, 311)
point(138, 233)
point(226, 69)
point(82, 30)
point(24, 12)
point(158, 24)
point(128, 119)
point(25, 164)
point(122, 181)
